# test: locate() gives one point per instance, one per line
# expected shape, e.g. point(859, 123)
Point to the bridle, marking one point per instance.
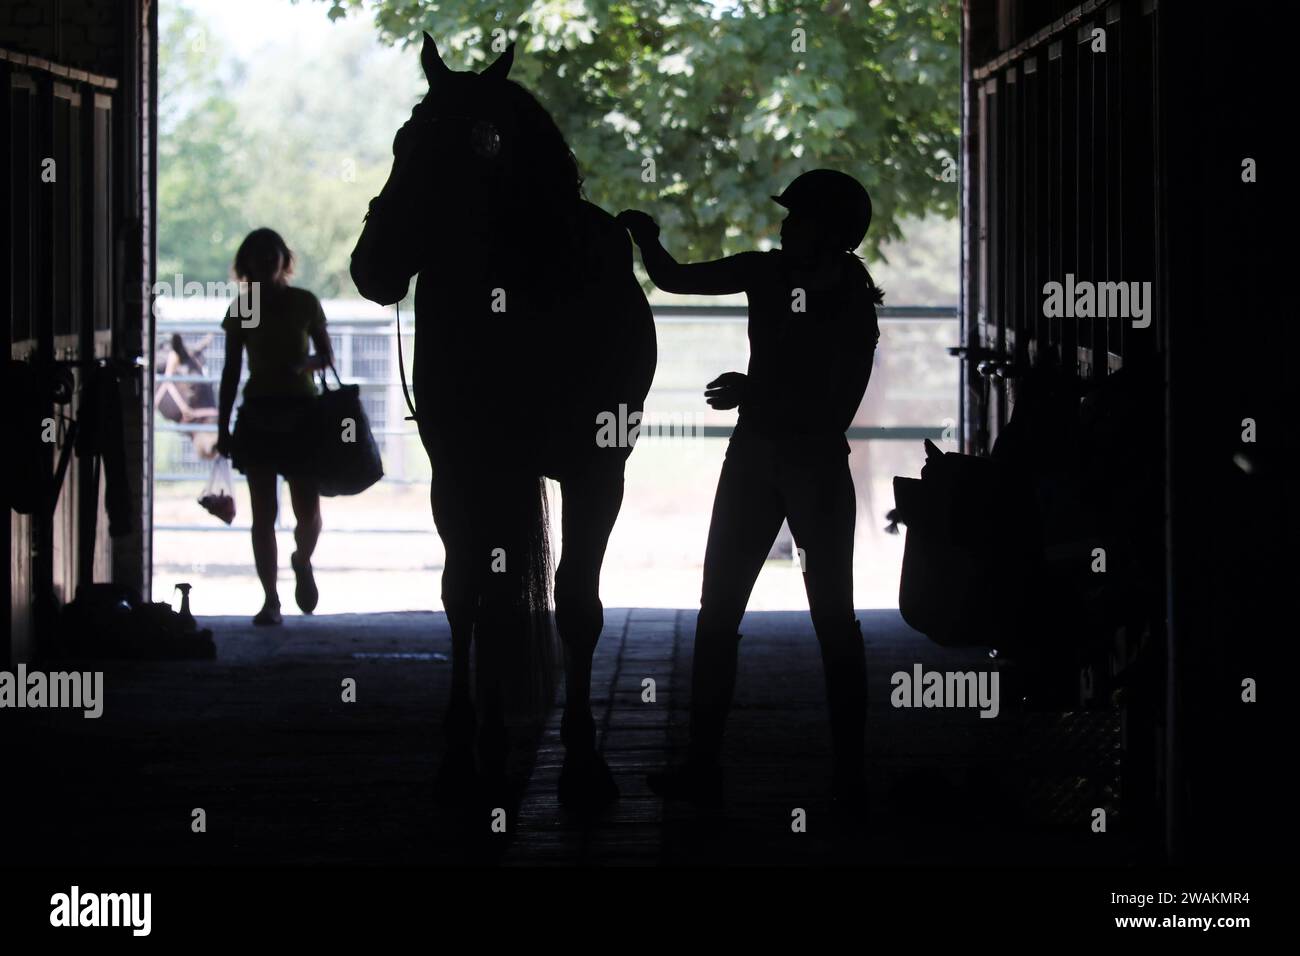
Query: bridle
point(485, 136)
point(485, 142)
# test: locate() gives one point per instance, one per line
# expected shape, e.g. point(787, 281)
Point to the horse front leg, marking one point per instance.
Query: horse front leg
point(590, 503)
point(460, 599)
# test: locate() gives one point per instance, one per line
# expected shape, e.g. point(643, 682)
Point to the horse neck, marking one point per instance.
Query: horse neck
point(534, 238)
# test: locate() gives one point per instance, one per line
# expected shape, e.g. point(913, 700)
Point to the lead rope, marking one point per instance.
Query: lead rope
point(401, 366)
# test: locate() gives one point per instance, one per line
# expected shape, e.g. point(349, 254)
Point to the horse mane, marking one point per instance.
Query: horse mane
point(550, 160)
point(545, 191)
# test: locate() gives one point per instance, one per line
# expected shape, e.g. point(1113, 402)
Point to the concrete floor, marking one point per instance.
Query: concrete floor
point(288, 773)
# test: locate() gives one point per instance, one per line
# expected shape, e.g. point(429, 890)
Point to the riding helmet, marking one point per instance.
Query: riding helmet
point(835, 198)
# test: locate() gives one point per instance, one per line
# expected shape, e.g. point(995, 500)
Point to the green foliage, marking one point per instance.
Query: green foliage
point(319, 127)
point(291, 135)
point(718, 98)
point(297, 134)
point(201, 197)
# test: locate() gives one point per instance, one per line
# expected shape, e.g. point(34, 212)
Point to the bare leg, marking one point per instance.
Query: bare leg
point(306, 511)
point(306, 532)
point(261, 491)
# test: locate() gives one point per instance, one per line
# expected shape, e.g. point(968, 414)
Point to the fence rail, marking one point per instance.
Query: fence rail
point(693, 340)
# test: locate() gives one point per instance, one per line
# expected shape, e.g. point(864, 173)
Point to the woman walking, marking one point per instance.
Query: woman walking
point(276, 323)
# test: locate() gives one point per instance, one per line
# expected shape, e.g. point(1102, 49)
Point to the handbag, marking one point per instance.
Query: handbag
point(346, 459)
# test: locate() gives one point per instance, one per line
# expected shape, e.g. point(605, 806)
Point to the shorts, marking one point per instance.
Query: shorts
point(275, 433)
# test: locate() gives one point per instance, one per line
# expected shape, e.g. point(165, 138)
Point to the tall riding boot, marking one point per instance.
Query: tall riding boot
point(713, 684)
point(844, 659)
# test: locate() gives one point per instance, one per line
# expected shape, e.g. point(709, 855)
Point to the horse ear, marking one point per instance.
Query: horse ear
point(500, 67)
point(434, 68)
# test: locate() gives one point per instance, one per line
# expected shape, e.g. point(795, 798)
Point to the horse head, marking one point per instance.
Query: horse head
point(477, 156)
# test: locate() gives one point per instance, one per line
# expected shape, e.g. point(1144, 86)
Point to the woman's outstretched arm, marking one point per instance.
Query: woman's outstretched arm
point(719, 277)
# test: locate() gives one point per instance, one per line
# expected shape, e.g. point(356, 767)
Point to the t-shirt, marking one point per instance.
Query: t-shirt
point(278, 339)
point(811, 349)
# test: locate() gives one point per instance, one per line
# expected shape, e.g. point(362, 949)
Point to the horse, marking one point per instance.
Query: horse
point(530, 329)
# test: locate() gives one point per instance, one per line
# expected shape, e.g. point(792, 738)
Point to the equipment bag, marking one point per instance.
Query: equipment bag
point(347, 459)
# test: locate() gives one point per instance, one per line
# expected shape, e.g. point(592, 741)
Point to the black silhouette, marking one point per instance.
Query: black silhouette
point(273, 435)
point(813, 334)
point(529, 325)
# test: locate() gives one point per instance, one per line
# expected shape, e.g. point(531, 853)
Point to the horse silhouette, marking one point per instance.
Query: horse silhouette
point(531, 330)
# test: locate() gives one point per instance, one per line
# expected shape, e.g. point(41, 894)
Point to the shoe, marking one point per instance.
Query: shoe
point(269, 616)
point(305, 593)
point(698, 784)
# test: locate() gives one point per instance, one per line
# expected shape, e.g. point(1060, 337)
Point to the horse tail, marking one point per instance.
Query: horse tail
point(532, 666)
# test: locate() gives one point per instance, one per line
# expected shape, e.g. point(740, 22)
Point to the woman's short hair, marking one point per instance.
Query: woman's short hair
point(262, 255)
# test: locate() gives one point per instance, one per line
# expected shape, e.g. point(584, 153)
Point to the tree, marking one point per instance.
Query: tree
point(729, 102)
point(201, 195)
point(293, 137)
point(318, 123)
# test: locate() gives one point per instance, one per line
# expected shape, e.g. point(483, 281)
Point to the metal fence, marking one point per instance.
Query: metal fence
point(366, 355)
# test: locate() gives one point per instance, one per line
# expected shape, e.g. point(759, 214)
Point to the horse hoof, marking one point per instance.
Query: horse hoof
point(586, 784)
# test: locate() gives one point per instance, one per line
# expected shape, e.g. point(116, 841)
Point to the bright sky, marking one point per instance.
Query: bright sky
point(236, 20)
point(246, 24)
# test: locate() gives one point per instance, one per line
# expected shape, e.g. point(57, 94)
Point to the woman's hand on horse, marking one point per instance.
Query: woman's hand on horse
point(727, 390)
point(641, 225)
